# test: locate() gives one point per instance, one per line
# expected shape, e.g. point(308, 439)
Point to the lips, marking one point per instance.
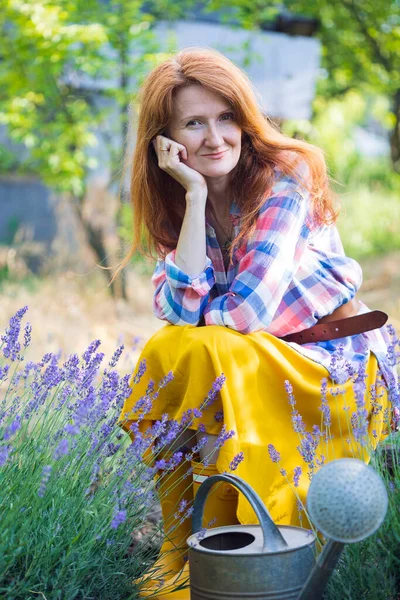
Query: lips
point(215, 155)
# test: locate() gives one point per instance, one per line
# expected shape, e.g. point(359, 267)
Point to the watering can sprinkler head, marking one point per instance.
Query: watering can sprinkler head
point(347, 501)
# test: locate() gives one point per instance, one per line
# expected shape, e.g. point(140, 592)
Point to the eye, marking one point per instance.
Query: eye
point(228, 117)
point(194, 122)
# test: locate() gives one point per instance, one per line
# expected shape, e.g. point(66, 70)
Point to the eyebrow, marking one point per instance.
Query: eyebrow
point(191, 117)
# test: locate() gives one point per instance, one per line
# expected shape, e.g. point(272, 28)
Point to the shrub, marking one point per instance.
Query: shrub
point(75, 493)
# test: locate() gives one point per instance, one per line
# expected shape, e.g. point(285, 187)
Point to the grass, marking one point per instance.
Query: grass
point(370, 570)
point(369, 223)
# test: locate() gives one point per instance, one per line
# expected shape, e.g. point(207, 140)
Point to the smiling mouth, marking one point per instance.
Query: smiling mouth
point(215, 154)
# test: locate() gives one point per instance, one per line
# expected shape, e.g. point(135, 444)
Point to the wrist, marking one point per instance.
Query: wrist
point(196, 196)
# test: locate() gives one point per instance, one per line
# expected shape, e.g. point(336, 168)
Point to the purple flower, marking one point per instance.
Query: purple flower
point(289, 393)
point(169, 377)
point(13, 428)
point(223, 437)
point(273, 454)
point(296, 476)
point(213, 393)
point(61, 450)
point(45, 478)
point(71, 429)
point(307, 450)
point(150, 387)
point(324, 407)
point(71, 368)
point(187, 417)
point(359, 419)
point(200, 444)
point(91, 370)
point(141, 371)
point(53, 375)
point(144, 404)
point(202, 534)
point(182, 505)
point(197, 414)
point(4, 372)
point(118, 519)
point(235, 462)
point(45, 359)
point(91, 349)
point(219, 416)
point(161, 464)
point(116, 356)
point(165, 431)
point(12, 346)
point(4, 454)
point(27, 335)
point(175, 459)
point(297, 422)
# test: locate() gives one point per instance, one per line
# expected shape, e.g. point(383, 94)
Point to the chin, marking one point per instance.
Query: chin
point(217, 170)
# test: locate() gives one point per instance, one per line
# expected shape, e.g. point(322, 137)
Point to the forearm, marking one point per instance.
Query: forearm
point(191, 249)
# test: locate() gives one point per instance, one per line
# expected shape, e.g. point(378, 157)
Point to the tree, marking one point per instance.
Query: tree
point(361, 45)
point(51, 53)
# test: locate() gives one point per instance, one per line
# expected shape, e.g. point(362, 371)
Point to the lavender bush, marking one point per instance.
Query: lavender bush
point(75, 494)
point(368, 570)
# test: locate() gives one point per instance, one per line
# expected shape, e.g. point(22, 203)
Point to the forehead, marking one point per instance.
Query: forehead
point(197, 100)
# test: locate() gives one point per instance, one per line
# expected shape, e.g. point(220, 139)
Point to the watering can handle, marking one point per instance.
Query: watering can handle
point(273, 539)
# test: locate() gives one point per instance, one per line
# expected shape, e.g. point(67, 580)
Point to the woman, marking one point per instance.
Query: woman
point(254, 284)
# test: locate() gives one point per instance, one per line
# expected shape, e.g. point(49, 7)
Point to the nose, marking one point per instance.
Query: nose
point(213, 136)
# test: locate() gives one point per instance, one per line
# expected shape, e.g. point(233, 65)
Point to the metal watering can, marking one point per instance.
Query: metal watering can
point(347, 501)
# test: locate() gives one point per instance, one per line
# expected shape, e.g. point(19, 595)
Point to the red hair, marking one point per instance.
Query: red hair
point(158, 201)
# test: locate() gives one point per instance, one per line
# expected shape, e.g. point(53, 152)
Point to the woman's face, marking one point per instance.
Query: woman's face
point(205, 124)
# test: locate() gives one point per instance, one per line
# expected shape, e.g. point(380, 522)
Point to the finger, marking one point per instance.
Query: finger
point(184, 153)
point(174, 148)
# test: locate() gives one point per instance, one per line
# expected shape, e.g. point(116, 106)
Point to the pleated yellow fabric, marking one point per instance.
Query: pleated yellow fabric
point(255, 405)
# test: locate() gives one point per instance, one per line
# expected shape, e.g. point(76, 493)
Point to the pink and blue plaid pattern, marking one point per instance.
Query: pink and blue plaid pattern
point(289, 274)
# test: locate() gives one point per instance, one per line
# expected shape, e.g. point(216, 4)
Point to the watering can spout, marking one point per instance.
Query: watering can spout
point(340, 485)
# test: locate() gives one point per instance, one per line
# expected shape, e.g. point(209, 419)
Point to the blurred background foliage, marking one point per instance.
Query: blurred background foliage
point(47, 46)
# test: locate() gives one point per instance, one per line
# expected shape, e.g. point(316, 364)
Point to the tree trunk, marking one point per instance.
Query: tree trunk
point(395, 135)
point(95, 238)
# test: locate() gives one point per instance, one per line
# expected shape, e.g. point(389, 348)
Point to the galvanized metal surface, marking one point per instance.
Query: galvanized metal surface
point(247, 561)
point(347, 500)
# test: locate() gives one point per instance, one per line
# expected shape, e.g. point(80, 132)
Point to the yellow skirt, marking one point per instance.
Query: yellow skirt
point(255, 405)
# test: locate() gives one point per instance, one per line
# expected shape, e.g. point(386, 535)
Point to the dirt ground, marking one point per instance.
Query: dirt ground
point(71, 310)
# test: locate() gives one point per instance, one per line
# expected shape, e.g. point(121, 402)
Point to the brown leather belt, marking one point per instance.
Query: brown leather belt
point(343, 322)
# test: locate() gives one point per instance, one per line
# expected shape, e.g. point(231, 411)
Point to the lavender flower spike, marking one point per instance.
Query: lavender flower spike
point(296, 476)
point(273, 453)
point(119, 518)
point(236, 461)
point(223, 437)
point(12, 346)
point(116, 356)
point(45, 478)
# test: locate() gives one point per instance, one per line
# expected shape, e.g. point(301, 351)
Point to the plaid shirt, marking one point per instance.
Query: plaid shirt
point(288, 275)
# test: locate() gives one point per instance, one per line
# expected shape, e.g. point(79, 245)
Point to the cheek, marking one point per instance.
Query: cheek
point(235, 135)
point(192, 143)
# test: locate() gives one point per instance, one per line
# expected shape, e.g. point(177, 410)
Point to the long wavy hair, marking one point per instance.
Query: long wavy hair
point(158, 201)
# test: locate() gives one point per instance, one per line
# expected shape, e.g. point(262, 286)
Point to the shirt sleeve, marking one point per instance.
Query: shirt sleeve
point(179, 298)
point(270, 260)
